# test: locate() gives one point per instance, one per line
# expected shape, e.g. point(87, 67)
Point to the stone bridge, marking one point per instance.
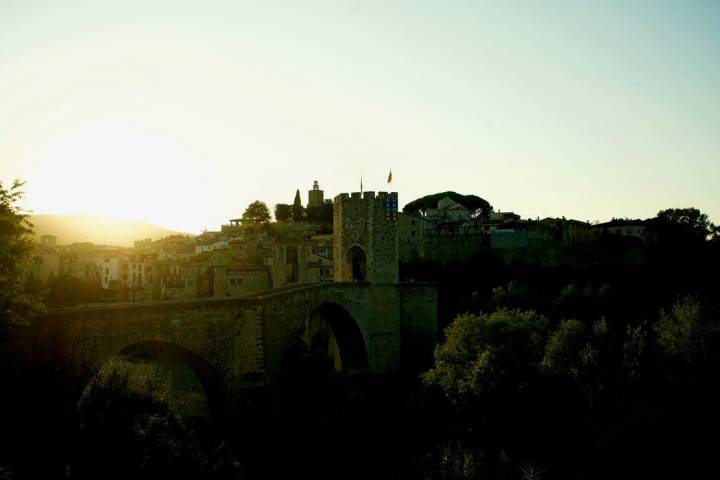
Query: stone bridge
point(236, 344)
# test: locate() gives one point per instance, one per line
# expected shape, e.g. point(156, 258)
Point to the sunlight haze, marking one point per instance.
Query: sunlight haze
point(181, 113)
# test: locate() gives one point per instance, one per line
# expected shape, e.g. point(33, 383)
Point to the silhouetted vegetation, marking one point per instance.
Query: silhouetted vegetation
point(323, 214)
point(283, 212)
point(599, 366)
point(16, 303)
point(298, 211)
point(256, 213)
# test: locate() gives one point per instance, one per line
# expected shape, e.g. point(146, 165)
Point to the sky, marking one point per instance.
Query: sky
point(181, 113)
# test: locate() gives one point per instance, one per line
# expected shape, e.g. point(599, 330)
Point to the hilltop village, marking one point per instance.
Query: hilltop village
point(249, 255)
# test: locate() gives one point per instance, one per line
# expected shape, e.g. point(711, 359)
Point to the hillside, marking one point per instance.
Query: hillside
point(92, 228)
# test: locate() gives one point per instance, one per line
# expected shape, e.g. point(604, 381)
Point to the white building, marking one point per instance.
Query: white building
point(448, 210)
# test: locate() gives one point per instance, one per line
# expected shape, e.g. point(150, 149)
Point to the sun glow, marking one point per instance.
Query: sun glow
point(117, 170)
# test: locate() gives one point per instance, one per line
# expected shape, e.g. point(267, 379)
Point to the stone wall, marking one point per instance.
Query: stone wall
point(419, 325)
point(238, 280)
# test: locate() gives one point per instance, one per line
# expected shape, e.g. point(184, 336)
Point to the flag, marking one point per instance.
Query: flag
point(390, 177)
point(391, 209)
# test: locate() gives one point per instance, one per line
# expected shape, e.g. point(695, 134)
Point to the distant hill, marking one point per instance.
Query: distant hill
point(92, 228)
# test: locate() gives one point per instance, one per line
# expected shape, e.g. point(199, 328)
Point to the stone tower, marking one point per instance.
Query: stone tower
point(365, 230)
point(315, 196)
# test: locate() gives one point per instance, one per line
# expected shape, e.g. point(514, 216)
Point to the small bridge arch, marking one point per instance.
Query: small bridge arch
point(332, 329)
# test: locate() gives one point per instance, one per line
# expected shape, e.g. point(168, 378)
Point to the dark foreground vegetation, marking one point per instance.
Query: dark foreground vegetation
point(600, 366)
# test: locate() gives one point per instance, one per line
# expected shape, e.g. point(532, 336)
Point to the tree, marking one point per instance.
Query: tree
point(478, 207)
point(257, 212)
point(322, 214)
point(681, 227)
point(16, 246)
point(298, 212)
point(283, 212)
point(487, 352)
point(564, 349)
point(682, 332)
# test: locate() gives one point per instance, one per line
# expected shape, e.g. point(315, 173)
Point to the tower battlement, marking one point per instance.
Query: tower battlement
point(366, 196)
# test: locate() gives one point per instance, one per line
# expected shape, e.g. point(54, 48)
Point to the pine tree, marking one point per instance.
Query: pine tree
point(298, 212)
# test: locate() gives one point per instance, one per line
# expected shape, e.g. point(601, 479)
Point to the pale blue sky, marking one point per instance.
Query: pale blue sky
point(181, 113)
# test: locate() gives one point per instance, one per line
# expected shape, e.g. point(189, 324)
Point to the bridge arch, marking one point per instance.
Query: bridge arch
point(330, 340)
point(156, 350)
point(207, 375)
point(345, 340)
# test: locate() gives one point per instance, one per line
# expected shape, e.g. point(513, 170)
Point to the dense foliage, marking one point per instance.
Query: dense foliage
point(681, 227)
point(16, 246)
point(618, 380)
point(283, 212)
point(483, 353)
point(322, 214)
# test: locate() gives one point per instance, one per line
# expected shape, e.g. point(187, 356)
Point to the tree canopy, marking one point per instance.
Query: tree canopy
point(321, 214)
point(676, 227)
point(478, 206)
point(283, 212)
point(15, 254)
point(484, 352)
point(256, 212)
